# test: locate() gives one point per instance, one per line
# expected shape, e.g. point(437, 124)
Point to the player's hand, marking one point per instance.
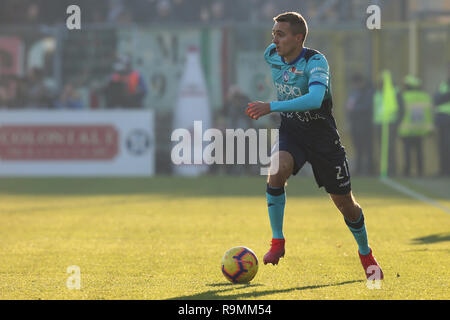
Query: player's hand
point(257, 109)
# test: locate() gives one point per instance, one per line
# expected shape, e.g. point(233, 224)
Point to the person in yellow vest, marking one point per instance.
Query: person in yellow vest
point(442, 112)
point(416, 121)
point(393, 120)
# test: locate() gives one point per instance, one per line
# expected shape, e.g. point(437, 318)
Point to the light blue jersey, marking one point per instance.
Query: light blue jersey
point(292, 80)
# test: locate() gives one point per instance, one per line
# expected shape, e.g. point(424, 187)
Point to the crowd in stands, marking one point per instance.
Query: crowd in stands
point(34, 92)
point(27, 91)
point(125, 88)
point(29, 12)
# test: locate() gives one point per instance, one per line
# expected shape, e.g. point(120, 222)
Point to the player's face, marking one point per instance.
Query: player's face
point(286, 42)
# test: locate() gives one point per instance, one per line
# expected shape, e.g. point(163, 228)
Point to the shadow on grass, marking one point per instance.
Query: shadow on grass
point(173, 187)
point(434, 238)
point(229, 284)
point(214, 294)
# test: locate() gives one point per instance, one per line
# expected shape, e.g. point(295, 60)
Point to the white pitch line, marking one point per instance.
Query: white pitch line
point(414, 194)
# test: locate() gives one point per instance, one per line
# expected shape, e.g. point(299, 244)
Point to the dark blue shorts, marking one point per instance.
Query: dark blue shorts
point(330, 168)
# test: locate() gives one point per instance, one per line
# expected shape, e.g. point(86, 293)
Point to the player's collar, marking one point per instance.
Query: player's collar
point(296, 59)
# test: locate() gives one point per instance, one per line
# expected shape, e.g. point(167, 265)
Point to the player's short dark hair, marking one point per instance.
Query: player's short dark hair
point(296, 21)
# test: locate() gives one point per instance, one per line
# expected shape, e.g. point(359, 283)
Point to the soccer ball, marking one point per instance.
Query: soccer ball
point(239, 265)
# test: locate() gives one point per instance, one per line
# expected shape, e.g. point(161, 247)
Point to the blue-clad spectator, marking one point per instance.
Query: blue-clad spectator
point(69, 99)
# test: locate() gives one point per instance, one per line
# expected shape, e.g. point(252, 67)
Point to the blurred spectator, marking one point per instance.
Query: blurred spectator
point(39, 94)
point(204, 14)
point(9, 85)
point(69, 98)
point(98, 16)
point(19, 93)
point(163, 8)
point(235, 104)
point(3, 94)
point(359, 111)
point(21, 96)
point(116, 9)
point(220, 123)
point(217, 10)
point(416, 121)
point(126, 88)
point(33, 14)
point(95, 95)
point(269, 10)
point(442, 112)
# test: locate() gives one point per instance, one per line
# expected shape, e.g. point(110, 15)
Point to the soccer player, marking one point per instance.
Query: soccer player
point(307, 133)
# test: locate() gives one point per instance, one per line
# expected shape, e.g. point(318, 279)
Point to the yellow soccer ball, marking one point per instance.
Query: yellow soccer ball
point(239, 265)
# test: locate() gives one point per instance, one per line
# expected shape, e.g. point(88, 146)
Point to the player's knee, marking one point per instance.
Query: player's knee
point(344, 207)
point(277, 180)
point(283, 164)
point(346, 204)
point(284, 168)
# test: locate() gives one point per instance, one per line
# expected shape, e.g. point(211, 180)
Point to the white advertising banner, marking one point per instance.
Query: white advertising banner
point(77, 143)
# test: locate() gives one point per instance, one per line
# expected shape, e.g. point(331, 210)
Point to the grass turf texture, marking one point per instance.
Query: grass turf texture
point(163, 238)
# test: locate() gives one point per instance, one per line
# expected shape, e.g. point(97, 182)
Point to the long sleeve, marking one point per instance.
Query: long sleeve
point(310, 101)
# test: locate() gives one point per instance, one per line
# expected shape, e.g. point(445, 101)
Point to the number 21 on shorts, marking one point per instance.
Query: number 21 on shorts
point(342, 171)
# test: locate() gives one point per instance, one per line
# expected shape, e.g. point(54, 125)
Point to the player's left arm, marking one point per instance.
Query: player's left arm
point(317, 71)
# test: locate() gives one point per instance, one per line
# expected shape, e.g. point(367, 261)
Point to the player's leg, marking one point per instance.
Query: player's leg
point(392, 147)
point(333, 173)
point(419, 155)
point(446, 150)
point(354, 218)
point(442, 147)
point(275, 193)
point(407, 146)
point(276, 200)
point(287, 160)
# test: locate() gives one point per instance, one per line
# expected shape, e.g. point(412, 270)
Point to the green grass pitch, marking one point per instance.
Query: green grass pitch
point(164, 237)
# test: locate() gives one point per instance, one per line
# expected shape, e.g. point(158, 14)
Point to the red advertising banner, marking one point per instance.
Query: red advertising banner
point(58, 142)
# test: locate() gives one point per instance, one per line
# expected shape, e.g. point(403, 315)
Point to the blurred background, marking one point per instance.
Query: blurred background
point(131, 56)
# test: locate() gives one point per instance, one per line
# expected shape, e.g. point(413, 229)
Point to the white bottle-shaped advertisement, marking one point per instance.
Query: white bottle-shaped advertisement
point(193, 106)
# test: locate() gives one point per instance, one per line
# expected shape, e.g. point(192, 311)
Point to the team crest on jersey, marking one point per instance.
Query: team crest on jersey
point(285, 76)
point(295, 71)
